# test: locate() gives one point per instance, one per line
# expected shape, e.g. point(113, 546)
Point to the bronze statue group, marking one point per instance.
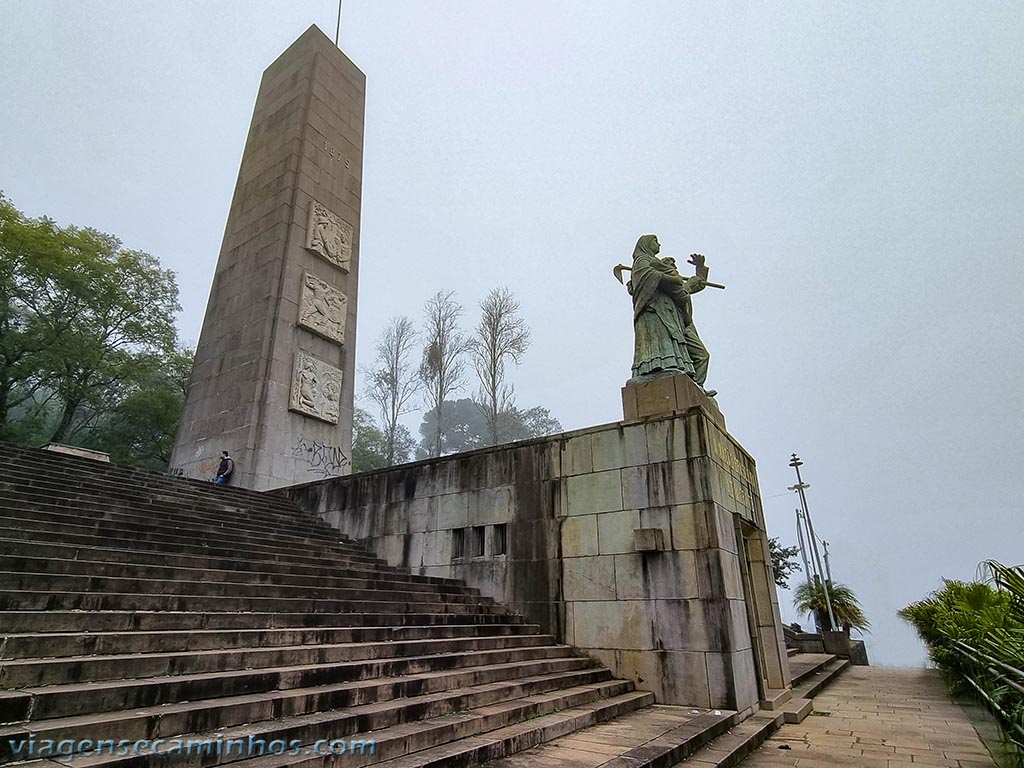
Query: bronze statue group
point(666, 339)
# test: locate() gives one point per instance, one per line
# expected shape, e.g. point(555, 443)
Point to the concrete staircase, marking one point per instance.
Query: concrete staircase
point(154, 621)
point(136, 607)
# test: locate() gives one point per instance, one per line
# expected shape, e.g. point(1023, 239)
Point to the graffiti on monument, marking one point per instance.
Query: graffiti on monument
point(316, 388)
point(206, 469)
point(322, 308)
point(329, 236)
point(324, 460)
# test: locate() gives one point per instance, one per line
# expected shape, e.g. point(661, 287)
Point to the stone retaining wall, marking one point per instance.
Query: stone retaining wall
point(641, 544)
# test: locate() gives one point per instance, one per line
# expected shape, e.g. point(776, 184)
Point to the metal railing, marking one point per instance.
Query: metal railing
point(987, 674)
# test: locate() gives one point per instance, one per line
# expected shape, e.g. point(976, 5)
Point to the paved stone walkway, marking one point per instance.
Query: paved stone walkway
point(879, 718)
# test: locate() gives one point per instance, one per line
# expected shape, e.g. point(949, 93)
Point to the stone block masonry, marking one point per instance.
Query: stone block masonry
point(275, 364)
point(686, 608)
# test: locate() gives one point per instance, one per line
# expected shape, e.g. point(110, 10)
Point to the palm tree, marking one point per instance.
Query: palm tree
point(1006, 640)
point(810, 598)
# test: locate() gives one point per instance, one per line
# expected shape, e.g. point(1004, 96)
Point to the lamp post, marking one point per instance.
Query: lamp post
point(800, 487)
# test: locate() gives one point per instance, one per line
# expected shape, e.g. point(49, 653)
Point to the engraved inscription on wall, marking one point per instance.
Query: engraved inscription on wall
point(329, 235)
point(322, 308)
point(737, 480)
point(316, 388)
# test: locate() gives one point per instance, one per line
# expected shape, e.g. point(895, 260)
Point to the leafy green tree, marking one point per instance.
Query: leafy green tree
point(140, 429)
point(81, 319)
point(25, 247)
point(784, 562)
point(533, 422)
point(123, 306)
point(370, 446)
point(466, 427)
point(809, 597)
point(463, 429)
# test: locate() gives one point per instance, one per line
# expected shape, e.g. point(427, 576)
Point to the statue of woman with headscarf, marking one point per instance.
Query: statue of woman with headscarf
point(666, 340)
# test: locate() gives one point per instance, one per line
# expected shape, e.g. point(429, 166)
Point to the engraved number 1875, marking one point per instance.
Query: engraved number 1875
point(333, 152)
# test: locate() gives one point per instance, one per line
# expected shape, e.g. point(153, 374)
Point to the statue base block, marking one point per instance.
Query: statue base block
point(665, 396)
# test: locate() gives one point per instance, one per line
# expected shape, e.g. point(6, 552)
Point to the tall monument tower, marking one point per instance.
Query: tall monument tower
point(275, 364)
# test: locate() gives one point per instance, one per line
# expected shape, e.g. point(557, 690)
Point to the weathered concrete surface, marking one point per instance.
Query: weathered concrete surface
point(878, 718)
point(275, 364)
point(696, 623)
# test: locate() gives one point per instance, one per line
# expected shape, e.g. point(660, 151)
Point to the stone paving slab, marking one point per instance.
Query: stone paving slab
point(630, 741)
point(878, 718)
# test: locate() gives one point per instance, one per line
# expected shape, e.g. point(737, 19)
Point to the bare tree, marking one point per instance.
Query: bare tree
point(502, 336)
point(393, 381)
point(443, 365)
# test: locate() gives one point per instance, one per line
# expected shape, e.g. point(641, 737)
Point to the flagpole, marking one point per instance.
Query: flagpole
point(337, 29)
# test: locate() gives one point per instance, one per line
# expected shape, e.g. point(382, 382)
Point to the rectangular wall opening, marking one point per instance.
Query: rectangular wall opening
point(458, 543)
point(477, 539)
point(500, 539)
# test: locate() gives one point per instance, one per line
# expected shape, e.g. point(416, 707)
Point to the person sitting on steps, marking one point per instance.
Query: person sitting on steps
point(225, 470)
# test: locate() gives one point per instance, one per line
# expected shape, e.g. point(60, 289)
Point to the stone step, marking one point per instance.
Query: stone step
point(40, 705)
point(796, 710)
point(31, 672)
point(225, 550)
point(657, 736)
point(369, 714)
point(139, 606)
point(813, 683)
point(133, 537)
point(515, 724)
point(477, 736)
point(750, 735)
point(774, 699)
point(205, 684)
point(183, 501)
point(41, 600)
point(50, 567)
point(278, 564)
point(732, 748)
point(805, 665)
point(10, 580)
point(94, 514)
point(212, 504)
point(25, 622)
point(64, 644)
point(396, 680)
point(87, 470)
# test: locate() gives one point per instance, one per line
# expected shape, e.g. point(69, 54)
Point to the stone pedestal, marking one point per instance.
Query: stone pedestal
point(666, 396)
point(275, 364)
point(641, 543)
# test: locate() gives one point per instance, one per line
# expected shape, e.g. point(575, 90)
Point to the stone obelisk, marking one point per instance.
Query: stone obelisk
point(275, 364)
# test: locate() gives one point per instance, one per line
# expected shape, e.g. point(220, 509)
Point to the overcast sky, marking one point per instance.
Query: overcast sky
point(854, 173)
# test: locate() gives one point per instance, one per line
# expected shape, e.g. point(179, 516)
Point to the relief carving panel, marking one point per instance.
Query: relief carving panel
point(329, 235)
point(322, 308)
point(316, 388)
